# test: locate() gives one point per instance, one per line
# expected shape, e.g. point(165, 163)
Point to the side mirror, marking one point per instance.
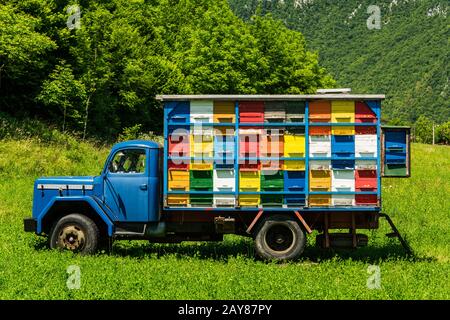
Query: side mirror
point(395, 152)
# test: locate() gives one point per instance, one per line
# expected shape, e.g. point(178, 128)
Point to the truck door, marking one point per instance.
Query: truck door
point(395, 152)
point(126, 185)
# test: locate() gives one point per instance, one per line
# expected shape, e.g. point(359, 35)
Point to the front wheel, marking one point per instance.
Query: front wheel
point(280, 237)
point(75, 232)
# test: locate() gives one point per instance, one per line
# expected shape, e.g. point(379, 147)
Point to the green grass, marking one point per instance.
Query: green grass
point(419, 206)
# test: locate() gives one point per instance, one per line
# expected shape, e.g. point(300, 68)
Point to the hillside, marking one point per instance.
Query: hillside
point(407, 59)
point(228, 270)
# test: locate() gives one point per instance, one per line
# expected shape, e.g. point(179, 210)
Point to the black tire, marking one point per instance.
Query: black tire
point(75, 232)
point(280, 237)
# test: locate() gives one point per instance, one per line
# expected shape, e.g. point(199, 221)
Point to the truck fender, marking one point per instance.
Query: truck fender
point(89, 200)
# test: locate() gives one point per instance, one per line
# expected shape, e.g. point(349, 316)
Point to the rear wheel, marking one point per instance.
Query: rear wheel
point(75, 232)
point(280, 237)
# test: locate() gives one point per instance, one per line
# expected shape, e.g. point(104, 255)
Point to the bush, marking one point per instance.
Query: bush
point(423, 130)
point(134, 132)
point(443, 133)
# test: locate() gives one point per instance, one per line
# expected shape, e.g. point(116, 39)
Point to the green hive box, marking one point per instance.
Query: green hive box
point(275, 183)
point(395, 170)
point(201, 181)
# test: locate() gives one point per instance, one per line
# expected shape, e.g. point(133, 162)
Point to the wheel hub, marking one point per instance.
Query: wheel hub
point(280, 238)
point(72, 238)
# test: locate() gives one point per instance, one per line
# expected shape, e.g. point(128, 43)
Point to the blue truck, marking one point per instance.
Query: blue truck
point(271, 167)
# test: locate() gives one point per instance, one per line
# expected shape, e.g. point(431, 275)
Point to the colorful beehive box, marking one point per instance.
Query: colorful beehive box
point(294, 185)
point(249, 181)
point(224, 112)
point(274, 111)
point(272, 143)
point(224, 180)
point(178, 112)
point(363, 113)
point(272, 181)
point(366, 145)
point(295, 111)
point(343, 112)
point(249, 142)
point(320, 111)
point(201, 181)
point(319, 200)
point(343, 146)
point(178, 180)
point(320, 180)
point(251, 111)
point(201, 111)
point(320, 146)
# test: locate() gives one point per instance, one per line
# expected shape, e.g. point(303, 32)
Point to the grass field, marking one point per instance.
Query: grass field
point(419, 206)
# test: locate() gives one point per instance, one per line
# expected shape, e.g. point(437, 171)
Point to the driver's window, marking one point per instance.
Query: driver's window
point(128, 161)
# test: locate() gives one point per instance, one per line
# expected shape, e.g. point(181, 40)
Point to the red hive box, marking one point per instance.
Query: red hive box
point(366, 180)
point(251, 111)
point(179, 145)
point(249, 142)
point(363, 114)
point(366, 199)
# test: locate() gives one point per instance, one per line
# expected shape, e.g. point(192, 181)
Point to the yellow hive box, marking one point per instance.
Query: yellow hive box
point(250, 179)
point(178, 200)
point(200, 165)
point(199, 148)
point(249, 200)
point(319, 200)
point(294, 165)
point(320, 180)
point(178, 179)
point(342, 111)
point(294, 145)
point(224, 112)
point(343, 131)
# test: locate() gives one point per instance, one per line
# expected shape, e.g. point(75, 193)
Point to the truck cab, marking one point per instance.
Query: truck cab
point(123, 200)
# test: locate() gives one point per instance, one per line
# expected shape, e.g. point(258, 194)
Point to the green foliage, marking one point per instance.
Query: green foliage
point(407, 59)
point(136, 132)
point(423, 130)
point(286, 66)
point(64, 94)
point(23, 57)
point(103, 77)
point(443, 133)
point(130, 133)
point(224, 270)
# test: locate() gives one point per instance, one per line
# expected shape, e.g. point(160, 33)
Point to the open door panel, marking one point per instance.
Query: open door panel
point(396, 152)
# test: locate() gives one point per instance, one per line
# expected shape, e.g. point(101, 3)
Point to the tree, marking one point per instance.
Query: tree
point(64, 94)
point(443, 133)
point(287, 66)
point(23, 58)
point(423, 130)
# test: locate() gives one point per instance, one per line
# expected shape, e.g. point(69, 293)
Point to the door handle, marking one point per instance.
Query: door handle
point(143, 187)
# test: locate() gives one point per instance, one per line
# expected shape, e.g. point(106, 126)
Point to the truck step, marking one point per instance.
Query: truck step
point(130, 229)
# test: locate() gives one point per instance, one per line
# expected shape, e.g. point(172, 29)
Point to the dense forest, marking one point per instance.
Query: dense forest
point(407, 57)
point(94, 67)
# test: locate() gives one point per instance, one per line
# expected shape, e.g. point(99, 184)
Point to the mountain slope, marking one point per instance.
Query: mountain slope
point(407, 59)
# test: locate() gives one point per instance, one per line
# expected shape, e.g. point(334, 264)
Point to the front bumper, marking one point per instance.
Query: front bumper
point(29, 225)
